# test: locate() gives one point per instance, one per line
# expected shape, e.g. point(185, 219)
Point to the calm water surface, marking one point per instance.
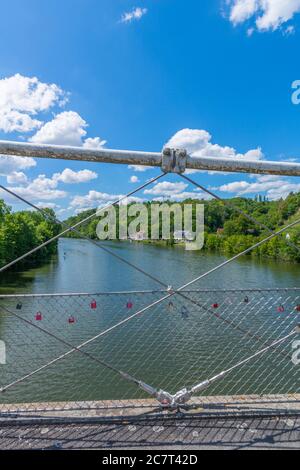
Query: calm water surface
point(82, 267)
point(162, 347)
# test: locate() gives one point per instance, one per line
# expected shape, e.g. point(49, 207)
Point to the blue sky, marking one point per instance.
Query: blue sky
point(134, 74)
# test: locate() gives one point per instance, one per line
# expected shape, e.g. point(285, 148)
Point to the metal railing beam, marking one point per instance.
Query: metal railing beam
point(153, 159)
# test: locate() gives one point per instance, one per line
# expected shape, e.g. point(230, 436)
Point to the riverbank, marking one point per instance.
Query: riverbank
point(80, 266)
point(22, 231)
point(277, 250)
point(226, 230)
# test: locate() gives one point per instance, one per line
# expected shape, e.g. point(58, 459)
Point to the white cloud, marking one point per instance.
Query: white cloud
point(17, 177)
point(135, 14)
point(130, 199)
point(96, 198)
point(41, 188)
point(10, 164)
point(198, 143)
point(140, 168)
point(166, 189)
point(174, 192)
point(267, 14)
point(291, 160)
point(255, 154)
point(242, 10)
point(177, 197)
point(92, 199)
point(69, 176)
point(67, 128)
point(283, 190)
point(22, 98)
point(265, 178)
point(193, 140)
point(62, 212)
point(94, 143)
point(134, 179)
point(47, 205)
point(273, 186)
point(21, 101)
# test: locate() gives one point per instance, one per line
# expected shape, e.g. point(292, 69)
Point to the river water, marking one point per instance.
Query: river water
point(82, 267)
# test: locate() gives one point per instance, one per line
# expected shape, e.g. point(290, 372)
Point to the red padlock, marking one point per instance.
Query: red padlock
point(71, 319)
point(93, 304)
point(297, 308)
point(129, 304)
point(38, 316)
point(215, 305)
point(280, 309)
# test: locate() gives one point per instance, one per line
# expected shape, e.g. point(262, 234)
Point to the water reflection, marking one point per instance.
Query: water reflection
point(81, 267)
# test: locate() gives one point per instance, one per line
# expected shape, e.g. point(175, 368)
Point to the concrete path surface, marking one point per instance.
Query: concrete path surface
point(162, 433)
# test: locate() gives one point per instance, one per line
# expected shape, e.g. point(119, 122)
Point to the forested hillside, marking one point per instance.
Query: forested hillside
point(22, 231)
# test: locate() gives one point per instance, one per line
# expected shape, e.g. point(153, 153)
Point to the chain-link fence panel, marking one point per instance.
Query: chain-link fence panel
point(185, 339)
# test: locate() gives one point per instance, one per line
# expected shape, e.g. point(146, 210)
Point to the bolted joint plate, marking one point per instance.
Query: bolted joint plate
point(173, 160)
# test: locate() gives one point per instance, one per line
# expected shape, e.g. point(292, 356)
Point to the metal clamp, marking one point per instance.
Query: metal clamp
point(173, 160)
point(182, 397)
point(164, 398)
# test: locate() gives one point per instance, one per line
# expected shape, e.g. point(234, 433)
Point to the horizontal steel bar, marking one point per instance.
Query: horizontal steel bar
point(80, 153)
point(147, 158)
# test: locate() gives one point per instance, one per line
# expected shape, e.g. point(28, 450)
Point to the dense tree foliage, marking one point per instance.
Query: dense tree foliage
point(22, 231)
point(226, 230)
point(229, 232)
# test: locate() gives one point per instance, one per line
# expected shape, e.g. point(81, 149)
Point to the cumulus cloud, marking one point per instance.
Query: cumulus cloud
point(134, 15)
point(134, 179)
point(22, 98)
point(47, 205)
point(96, 198)
point(198, 143)
point(11, 164)
point(273, 186)
point(67, 128)
point(17, 177)
point(94, 143)
point(177, 197)
point(69, 176)
point(140, 168)
point(266, 14)
point(283, 190)
point(161, 191)
point(166, 189)
point(173, 192)
point(41, 188)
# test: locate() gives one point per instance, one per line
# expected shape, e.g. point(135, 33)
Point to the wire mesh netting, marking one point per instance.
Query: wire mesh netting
point(179, 342)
